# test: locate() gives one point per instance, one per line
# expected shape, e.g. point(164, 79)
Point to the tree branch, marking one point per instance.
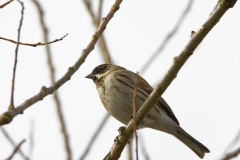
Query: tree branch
point(178, 62)
point(15, 150)
point(33, 44)
point(10, 140)
point(3, 5)
point(11, 106)
point(8, 116)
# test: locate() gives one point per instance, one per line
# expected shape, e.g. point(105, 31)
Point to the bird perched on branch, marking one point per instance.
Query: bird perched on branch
point(115, 86)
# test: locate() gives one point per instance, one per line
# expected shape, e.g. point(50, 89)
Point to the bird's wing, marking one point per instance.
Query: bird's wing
point(144, 85)
point(145, 89)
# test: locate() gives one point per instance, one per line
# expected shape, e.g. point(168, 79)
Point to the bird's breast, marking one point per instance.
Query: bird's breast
point(116, 98)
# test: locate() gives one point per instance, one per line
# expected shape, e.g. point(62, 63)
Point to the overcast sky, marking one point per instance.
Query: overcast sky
point(204, 96)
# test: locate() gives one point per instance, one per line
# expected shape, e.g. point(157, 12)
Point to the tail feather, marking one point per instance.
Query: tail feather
point(192, 143)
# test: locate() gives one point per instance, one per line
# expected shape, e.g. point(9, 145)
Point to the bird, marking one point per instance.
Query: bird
point(115, 86)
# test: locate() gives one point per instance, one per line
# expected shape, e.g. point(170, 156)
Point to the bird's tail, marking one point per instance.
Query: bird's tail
point(192, 143)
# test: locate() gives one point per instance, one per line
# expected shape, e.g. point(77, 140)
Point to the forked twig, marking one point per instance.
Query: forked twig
point(33, 44)
point(8, 116)
point(9, 138)
point(11, 106)
point(15, 150)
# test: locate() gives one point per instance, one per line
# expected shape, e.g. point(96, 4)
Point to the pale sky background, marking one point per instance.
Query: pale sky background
point(204, 96)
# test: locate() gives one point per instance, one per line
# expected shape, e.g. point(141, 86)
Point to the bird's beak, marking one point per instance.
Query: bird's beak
point(89, 76)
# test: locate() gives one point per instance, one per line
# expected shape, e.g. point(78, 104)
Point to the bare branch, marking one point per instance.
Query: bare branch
point(8, 137)
point(33, 44)
point(178, 62)
point(168, 37)
point(102, 43)
point(15, 60)
point(3, 5)
point(53, 79)
point(16, 149)
point(8, 116)
point(95, 135)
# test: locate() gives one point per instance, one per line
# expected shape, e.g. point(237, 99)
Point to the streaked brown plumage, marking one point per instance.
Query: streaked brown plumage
point(115, 87)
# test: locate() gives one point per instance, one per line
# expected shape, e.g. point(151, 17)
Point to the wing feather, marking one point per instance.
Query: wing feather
point(144, 86)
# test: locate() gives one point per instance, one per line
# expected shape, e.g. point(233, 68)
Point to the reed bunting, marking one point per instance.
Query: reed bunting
point(115, 86)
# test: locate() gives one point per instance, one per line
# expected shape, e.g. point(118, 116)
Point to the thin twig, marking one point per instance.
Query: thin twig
point(168, 37)
point(232, 154)
point(52, 78)
point(15, 150)
point(95, 135)
point(8, 137)
point(134, 113)
point(15, 59)
point(101, 42)
point(8, 116)
point(33, 44)
point(235, 152)
point(3, 5)
point(178, 62)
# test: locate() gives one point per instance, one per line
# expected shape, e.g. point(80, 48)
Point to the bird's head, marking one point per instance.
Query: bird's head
point(102, 71)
